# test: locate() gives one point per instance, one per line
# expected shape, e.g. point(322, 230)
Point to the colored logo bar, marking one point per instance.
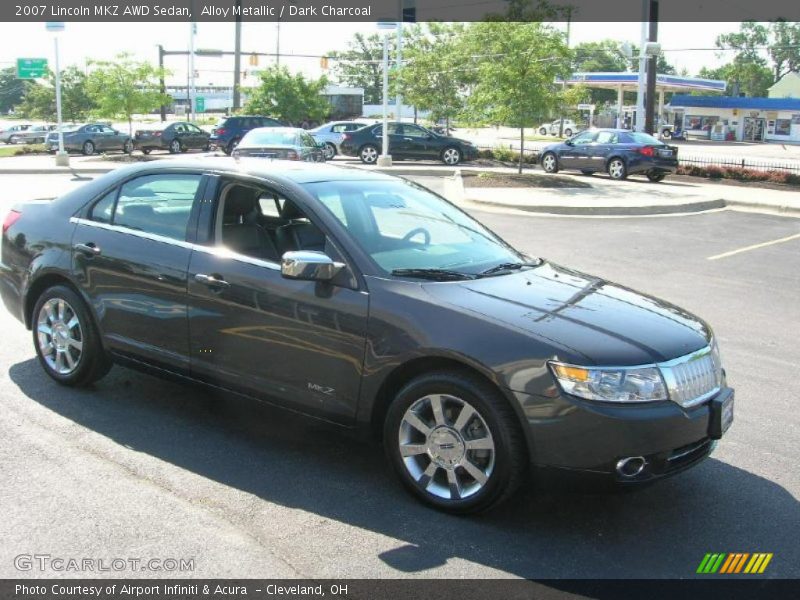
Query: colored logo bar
point(736, 562)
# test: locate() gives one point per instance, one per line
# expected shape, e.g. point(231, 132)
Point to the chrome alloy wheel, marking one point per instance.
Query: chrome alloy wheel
point(329, 151)
point(616, 168)
point(549, 162)
point(60, 336)
point(446, 446)
point(369, 154)
point(451, 156)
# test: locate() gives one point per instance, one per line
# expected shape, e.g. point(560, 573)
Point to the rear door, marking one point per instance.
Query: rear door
point(130, 256)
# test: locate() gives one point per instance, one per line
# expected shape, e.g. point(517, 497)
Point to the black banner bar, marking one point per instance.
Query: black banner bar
point(392, 10)
point(733, 588)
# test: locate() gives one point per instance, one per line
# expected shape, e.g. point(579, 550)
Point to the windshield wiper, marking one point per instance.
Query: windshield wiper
point(509, 267)
point(437, 274)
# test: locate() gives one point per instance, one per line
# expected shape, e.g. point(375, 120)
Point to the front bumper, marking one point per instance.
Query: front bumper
point(569, 433)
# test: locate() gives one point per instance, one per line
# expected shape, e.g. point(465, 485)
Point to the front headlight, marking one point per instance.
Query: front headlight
point(617, 384)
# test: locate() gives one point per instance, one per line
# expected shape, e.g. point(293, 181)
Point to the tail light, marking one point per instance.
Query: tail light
point(157, 133)
point(292, 155)
point(11, 218)
point(647, 151)
point(346, 136)
point(220, 131)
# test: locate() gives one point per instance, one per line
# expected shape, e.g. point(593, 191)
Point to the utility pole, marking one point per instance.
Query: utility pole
point(278, 45)
point(192, 31)
point(237, 59)
point(563, 84)
point(161, 83)
point(398, 100)
point(642, 69)
point(652, 66)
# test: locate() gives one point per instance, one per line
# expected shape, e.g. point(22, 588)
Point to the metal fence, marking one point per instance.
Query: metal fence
point(743, 163)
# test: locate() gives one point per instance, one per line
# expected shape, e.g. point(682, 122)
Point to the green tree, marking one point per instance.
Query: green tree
point(287, 97)
point(123, 87)
point(40, 100)
point(433, 76)
point(775, 46)
point(12, 89)
point(361, 65)
point(517, 66)
point(742, 76)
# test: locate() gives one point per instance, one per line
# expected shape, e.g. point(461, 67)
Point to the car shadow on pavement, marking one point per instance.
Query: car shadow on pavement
point(291, 461)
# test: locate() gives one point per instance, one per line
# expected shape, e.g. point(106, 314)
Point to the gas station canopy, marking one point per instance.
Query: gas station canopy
point(629, 82)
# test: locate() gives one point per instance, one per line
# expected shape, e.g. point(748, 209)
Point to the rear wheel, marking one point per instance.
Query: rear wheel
point(543, 131)
point(550, 163)
point(146, 150)
point(66, 340)
point(368, 154)
point(568, 133)
point(666, 134)
point(617, 169)
point(175, 147)
point(655, 177)
point(88, 147)
point(231, 146)
point(454, 442)
point(127, 147)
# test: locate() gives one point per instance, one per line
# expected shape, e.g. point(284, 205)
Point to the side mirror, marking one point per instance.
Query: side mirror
point(569, 143)
point(308, 265)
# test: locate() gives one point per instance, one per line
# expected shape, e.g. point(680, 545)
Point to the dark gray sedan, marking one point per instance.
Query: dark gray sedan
point(282, 143)
point(174, 137)
point(91, 138)
point(366, 301)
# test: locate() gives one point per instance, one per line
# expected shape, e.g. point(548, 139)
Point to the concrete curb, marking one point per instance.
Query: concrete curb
point(609, 211)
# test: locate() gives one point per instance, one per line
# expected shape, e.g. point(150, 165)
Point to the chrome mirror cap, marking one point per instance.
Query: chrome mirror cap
point(309, 265)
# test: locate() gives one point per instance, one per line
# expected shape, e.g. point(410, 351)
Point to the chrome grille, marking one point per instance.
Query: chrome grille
point(694, 378)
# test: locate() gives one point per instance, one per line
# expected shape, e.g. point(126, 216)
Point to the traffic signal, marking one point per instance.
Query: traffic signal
point(254, 60)
point(323, 62)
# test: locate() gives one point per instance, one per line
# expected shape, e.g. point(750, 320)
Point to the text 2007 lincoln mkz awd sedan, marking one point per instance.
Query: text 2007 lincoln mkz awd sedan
point(370, 302)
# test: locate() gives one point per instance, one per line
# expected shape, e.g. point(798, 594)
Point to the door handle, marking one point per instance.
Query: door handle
point(88, 249)
point(211, 281)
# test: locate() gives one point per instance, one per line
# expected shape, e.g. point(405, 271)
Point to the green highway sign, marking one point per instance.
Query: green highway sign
point(200, 104)
point(31, 68)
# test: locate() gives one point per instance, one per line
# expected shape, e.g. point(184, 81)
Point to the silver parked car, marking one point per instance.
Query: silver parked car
point(330, 135)
point(91, 138)
point(9, 135)
point(36, 134)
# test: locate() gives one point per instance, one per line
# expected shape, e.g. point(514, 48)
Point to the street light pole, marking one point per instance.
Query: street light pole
point(652, 66)
point(62, 158)
point(398, 101)
point(384, 160)
point(192, 31)
point(642, 70)
point(237, 60)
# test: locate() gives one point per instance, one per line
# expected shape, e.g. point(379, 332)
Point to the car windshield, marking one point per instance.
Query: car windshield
point(270, 138)
point(643, 138)
point(404, 226)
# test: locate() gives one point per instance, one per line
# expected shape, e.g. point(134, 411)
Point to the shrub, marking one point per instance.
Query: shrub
point(739, 174)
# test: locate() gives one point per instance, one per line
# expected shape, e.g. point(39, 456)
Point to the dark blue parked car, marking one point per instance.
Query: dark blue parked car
point(618, 152)
point(229, 131)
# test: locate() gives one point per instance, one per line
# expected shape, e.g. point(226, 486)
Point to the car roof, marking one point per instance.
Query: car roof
point(291, 171)
point(276, 130)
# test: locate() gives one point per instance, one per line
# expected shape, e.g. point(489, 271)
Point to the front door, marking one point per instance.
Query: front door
point(754, 129)
point(417, 143)
point(575, 155)
point(298, 342)
point(130, 256)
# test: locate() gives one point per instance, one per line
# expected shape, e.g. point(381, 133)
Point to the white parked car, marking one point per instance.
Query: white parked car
point(570, 128)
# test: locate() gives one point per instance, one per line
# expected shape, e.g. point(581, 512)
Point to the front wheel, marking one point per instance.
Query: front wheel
point(655, 176)
point(328, 151)
point(550, 163)
point(368, 154)
point(451, 156)
point(13, 139)
point(543, 131)
point(66, 340)
point(617, 169)
point(455, 442)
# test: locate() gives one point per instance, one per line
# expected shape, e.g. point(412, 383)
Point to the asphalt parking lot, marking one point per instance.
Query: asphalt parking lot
point(141, 467)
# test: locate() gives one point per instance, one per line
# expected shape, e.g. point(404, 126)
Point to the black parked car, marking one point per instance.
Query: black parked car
point(175, 137)
point(618, 152)
point(372, 303)
point(281, 143)
point(229, 131)
point(406, 140)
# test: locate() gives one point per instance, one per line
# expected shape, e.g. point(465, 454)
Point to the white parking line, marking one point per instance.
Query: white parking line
point(754, 247)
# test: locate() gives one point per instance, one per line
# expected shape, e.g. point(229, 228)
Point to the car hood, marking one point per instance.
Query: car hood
point(584, 318)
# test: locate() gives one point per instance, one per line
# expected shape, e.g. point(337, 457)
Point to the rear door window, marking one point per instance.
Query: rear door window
point(158, 204)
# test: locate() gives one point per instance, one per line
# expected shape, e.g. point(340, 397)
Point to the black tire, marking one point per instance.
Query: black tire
point(329, 151)
point(655, 177)
point(568, 133)
point(175, 147)
point(550, 162)
point(666, 134)
point(13, 140)
point(510, 455)
point(617, 169)
point(231, 146)
point(93, 362)
point(587, 172)
point(146, 150)
point(542, 131)
point(127, 147)
point(451, 156)
point(88, 148)
point(368, 154)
